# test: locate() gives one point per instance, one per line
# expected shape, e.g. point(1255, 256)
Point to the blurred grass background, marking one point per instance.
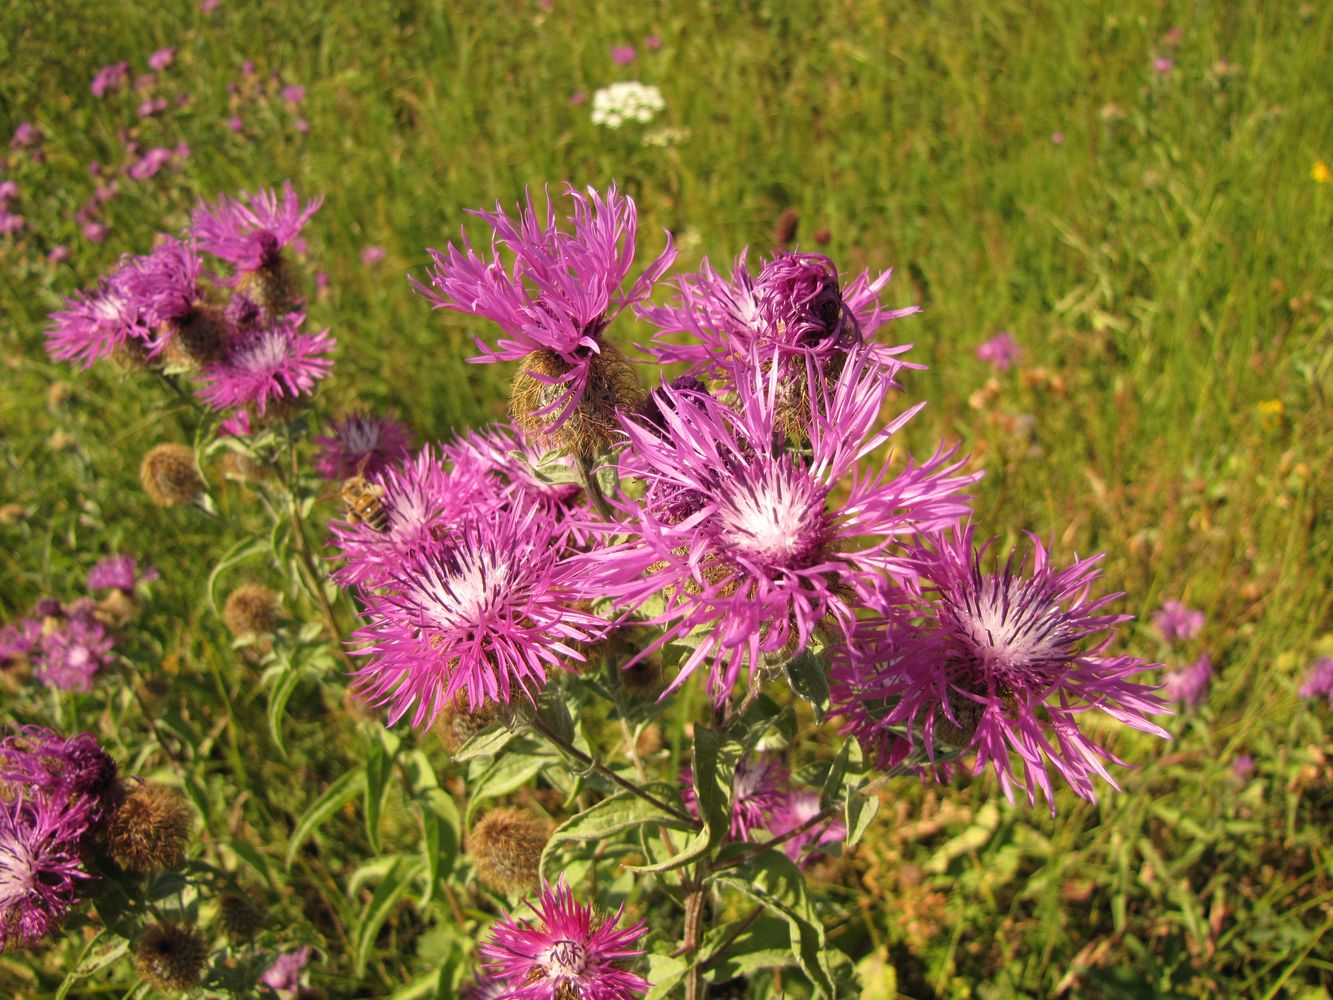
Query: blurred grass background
point(1155, 240)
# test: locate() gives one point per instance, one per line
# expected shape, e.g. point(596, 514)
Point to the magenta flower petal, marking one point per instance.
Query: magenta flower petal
point(361, 444)
point(568, 951)
point(40, 866)
point(1175, 621)
point(119, 572)
point(277, 364)
point(1002, 351)
point(250, 231)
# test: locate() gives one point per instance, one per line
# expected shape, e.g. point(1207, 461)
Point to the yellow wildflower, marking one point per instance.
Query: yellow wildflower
point(1320, 173)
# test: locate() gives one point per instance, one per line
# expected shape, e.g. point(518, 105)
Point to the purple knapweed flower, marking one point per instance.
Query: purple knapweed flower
point(749, 546)
point(166, 284)
point(1057, 139)
point(11, 223)
point(373, 255)
point(60, 254)
point(560, 292)
point(162, 58)
point(236, 123)
point(486, 614)
point(208, 6)
point(119, 572)
point(148, 108)
point(796, 810)
point(109, 78)
point(301, 125)
point(293, 93)
point(1163, 66)
point(1243, 766)
point(623, 55)
point(484, 988)
point(578, 97)
point(71, 655)
point(76, 772)
point(275, 365)
point(569, 950)
point(361, 444)
point(420, 500)
point(40, 866)
point(1188, 686)
point(94, 232)
point(1175, 621)
point(758, 794)
point(1002, 351)
point(18, 640)
point(1319, 682)
point(284, 975)
point(501, 451)
point(25, 134)
point(9, 191)
point(653, 42)
point(250, 231)
point(989, 660)
point(796, 307)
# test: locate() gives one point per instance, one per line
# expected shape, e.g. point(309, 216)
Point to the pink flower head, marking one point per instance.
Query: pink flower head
point(502, 452)
point(989, 660)
point(285, 974)
point(9, 191)
point(40, 866)
point(1188, 686)
point(147, 109)
point(1163, 66)
point(94, 232)
point(1175, 621)
point(96, 324)
point(361, 444)
point(653, 42)
point(162, 58)
point(486, 613)
point(1319, 682)
point(796, 307)
point(1057, 139)
point(482, 988)
point(72, 654)
point(1243, 766)
point(1002, 351)
point(748, 544)
point(373, 255)
point(276, 364)
point(149, 164)
point(623, 55)
point(421, 501)
point(208, 6)
point(796, 810)
point(758, 794)
point(59, 254)
point(10, 223)
point(76, 772)
point(18, 640)
point(119, 573)
point(236, 123)
point(250, 231)
point(110, 78)
point(569, 950)
point(166, 284)
point(25, 135)
point(561, 290)
point(293, 94)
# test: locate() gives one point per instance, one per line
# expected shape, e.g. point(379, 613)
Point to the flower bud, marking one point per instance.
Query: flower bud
point(241, 914)
point(457, 723)
point(149, 829)
point(506, 849)
point(591, 426)
point(199, 337)
point(251, 609)
point(273, 286)
point(169, 476)
point(170, 957)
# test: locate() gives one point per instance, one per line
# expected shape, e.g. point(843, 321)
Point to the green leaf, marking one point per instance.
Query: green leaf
point(277, 706)
point(432, 984)
point(712, 783)
point(765, 944)
point(486, 743)
point(391, 889)
point(616, 814)
point(246, 851)
point(442, 833)
point(379, 768)
point(773, 880)
point(832, 788)
point(334, 798)
point(238, 553)
point(808, 676)
point(861, 809)
point(505, 775)
point(664, 973)
point(103, 950)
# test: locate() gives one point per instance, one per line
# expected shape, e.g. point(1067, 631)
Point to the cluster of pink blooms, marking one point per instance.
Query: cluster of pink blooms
point(54, 793)
point(763, 801)
point(66, 645)
point(241, 335)
point(760, 512)
point(1319, 682)
point(1187, 685)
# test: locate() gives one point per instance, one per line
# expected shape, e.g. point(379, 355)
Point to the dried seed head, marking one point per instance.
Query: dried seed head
point(170, 957)
point(506, 848)
point(198, 338)
point(241, 468)
point(241, 914)
point(251, 609)
point(591, 427)
point(273, 287)
point(169, 476)
point(150, 829)
point(457, 723)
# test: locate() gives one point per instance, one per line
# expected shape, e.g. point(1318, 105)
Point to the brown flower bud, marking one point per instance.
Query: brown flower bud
point(506, 848)
point(241, 914)
point(169, 476)
point(456, 723)
point(170, 957)
point(251, 609)
point(591, 426)
point(784, 232)
point(150, 829)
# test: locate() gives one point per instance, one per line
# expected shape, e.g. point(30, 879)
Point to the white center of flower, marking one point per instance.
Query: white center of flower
point(462, 596)
point(777, 517)
point(565, 958)
point(109, 307)
point(16, 872)
point(1008, 629)
point(78, 656)
point(268, 351)
point(361, 436)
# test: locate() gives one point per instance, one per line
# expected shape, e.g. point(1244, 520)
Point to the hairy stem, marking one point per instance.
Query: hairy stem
point(695, 899)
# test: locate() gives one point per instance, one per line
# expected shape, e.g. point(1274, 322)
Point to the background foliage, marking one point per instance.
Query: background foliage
point(1165, 267)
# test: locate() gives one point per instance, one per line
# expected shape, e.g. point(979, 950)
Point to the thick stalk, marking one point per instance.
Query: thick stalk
point(695, 899)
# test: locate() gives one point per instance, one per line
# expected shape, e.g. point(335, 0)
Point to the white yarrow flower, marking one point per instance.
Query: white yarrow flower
point(619, 103)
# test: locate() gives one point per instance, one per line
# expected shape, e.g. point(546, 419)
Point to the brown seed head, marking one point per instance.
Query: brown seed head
point(241, 914)
point(591, 428)
point(506, 848)
point(199, 338)
point(150, 829)
point(170, 957)
point(784, 232)
point(251, 609)
point(169, 476)
point(457, 723)
point(274, 286)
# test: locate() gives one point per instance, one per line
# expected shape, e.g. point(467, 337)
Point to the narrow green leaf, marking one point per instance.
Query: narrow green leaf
point(616, 814)
point(334, 798)
point(379, 769)
point(808, 676)
point(712, 787)
point(765, 944)
point(442, 831)
point(487, 743)
point(861, 809)
point(277, 706)
point(238, 553)
point(103, 950)
point(832, 788)
point(664, 973)
point(505, 775)
point(388, 893)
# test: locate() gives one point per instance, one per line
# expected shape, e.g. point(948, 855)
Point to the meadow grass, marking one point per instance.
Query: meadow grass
point(1166, 269)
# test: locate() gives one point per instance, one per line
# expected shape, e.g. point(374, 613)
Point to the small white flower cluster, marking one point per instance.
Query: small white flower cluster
point(630, 101)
